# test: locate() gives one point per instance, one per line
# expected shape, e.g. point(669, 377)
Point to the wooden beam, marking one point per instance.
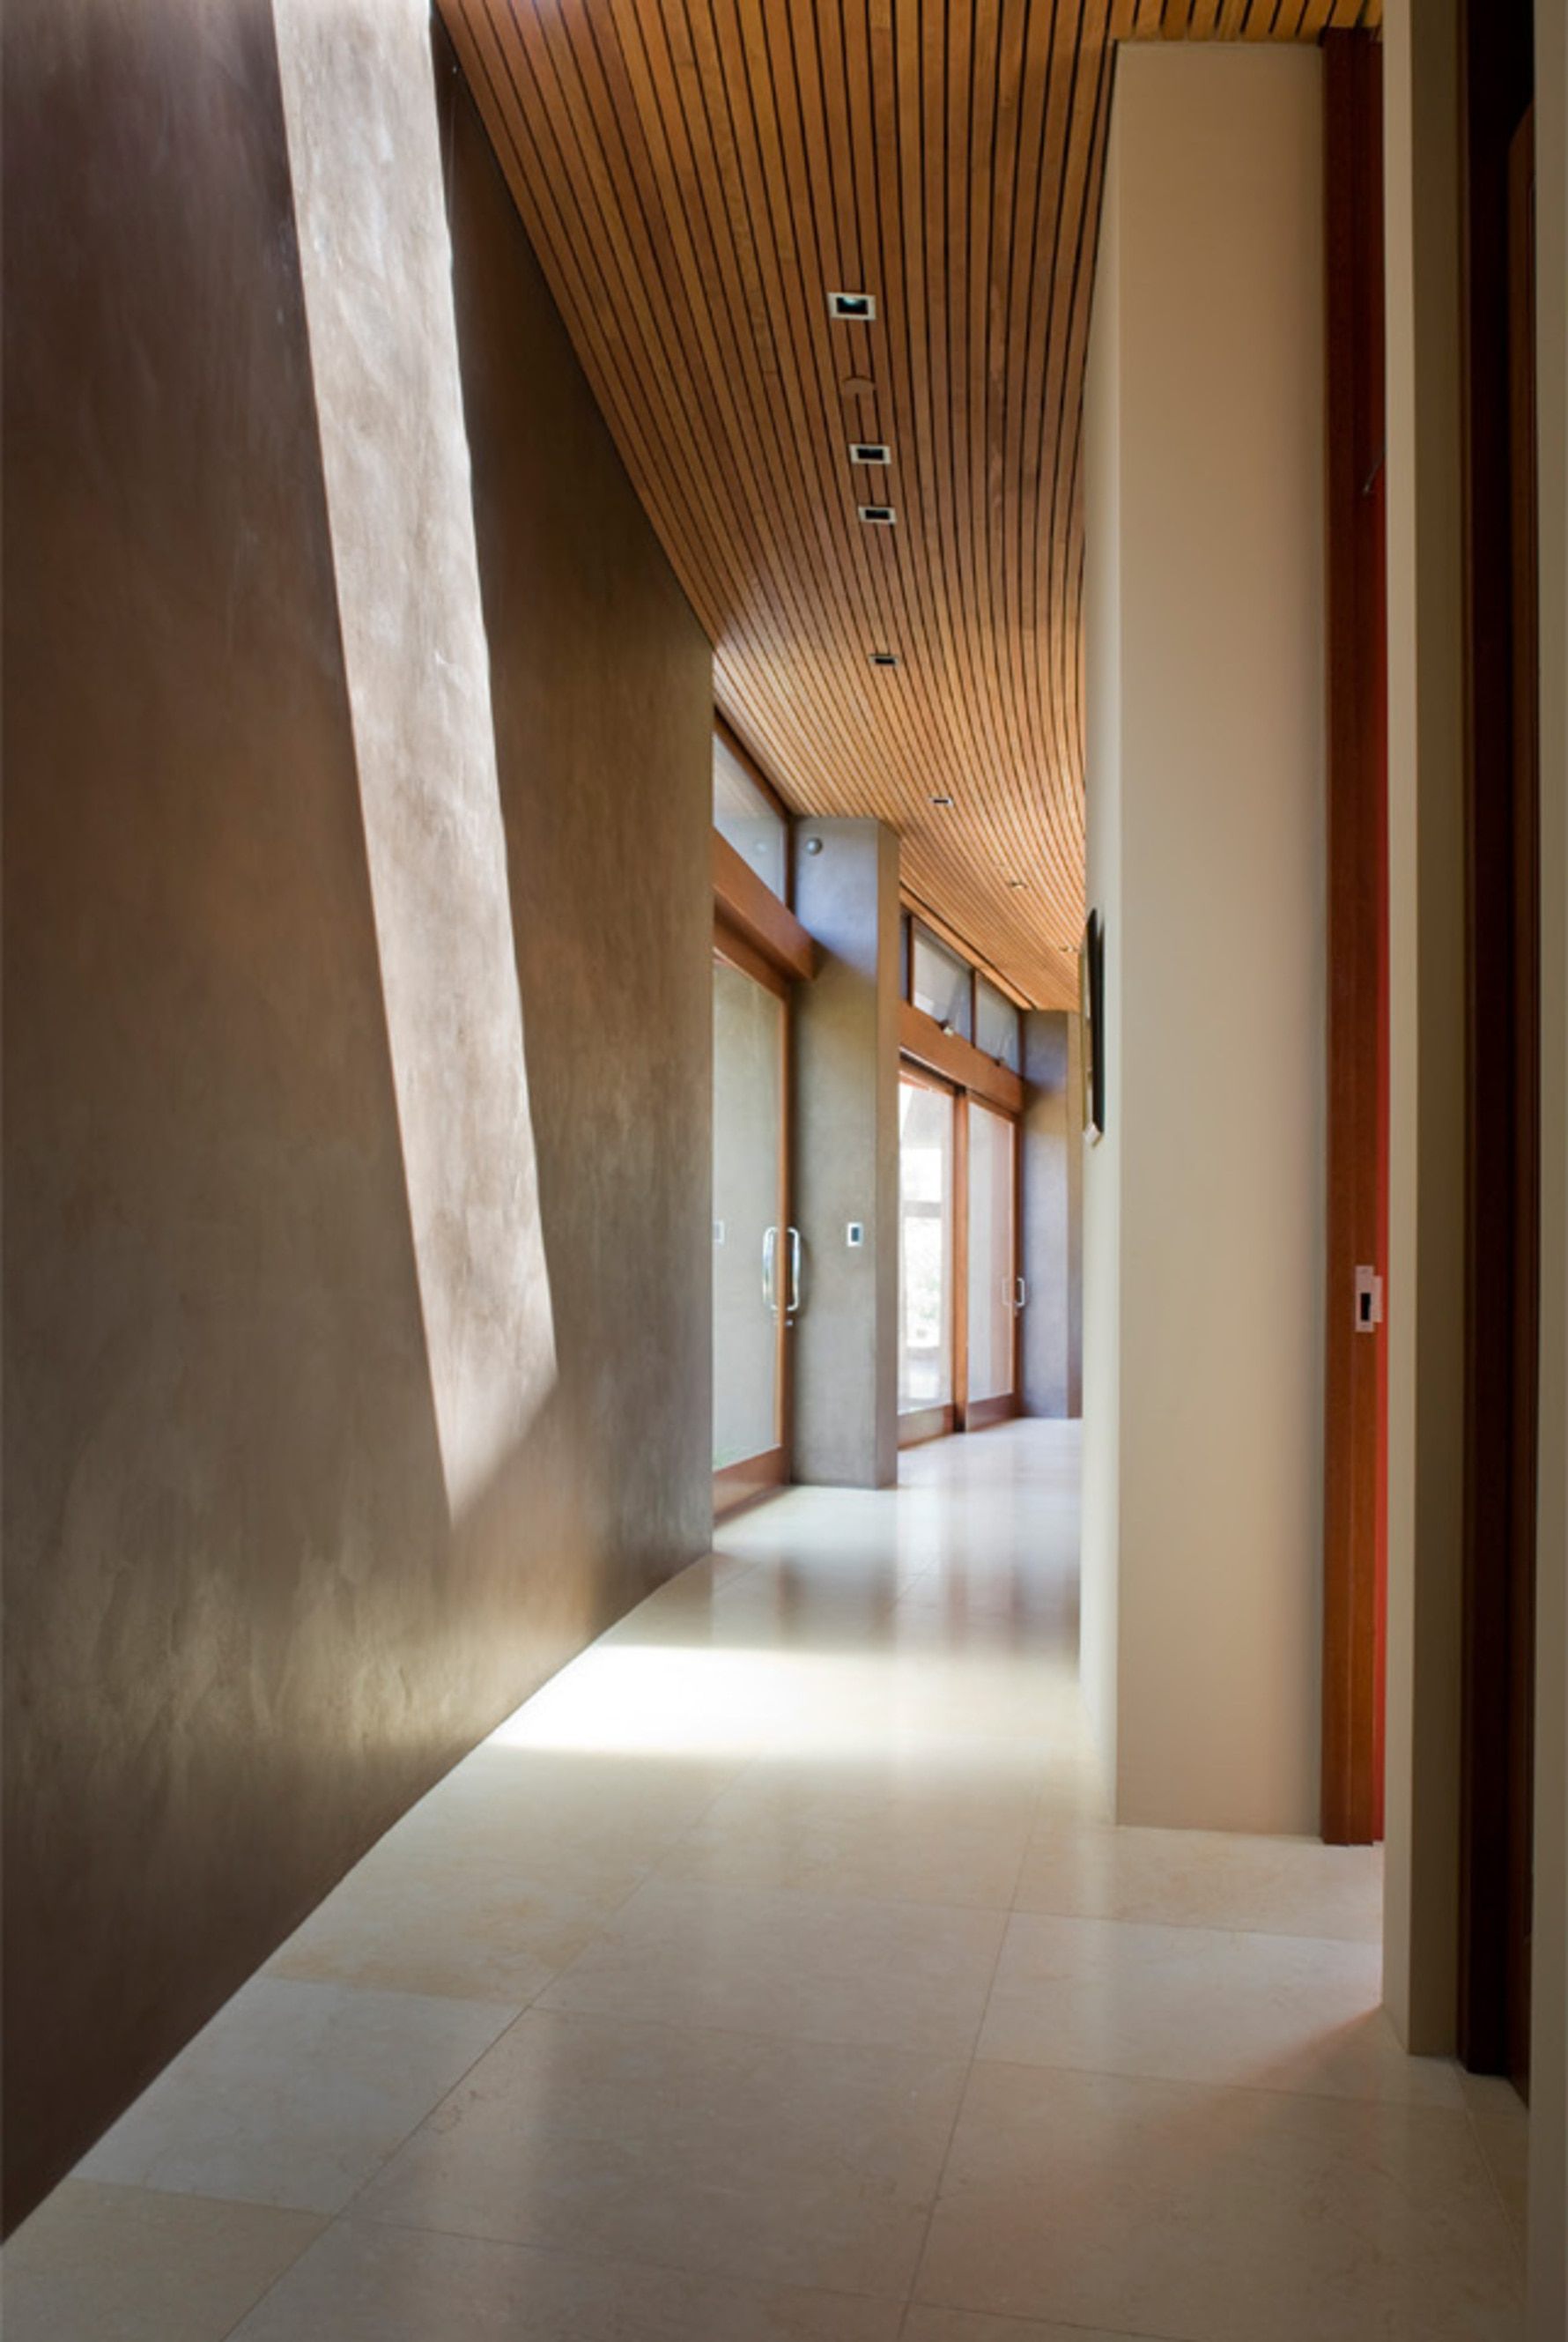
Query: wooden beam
point(745, 904)
point(958, 1061)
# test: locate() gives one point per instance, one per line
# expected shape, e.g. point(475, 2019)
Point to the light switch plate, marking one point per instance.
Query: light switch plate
point(856, 1237)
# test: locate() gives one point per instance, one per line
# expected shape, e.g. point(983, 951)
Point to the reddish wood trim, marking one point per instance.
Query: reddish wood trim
point(958, 1061)
point(751, 907)
point(1000, 1409)
point(1016, 1385)
point(784, 1411)
point(1356, 1361)
point(732, 946)
point(744, 1484)
point(924, 1423)
point(923, 1078)
point(958, 1298)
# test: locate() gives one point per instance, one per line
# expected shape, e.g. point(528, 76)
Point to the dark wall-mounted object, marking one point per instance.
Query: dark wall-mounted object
point(1092, 1007)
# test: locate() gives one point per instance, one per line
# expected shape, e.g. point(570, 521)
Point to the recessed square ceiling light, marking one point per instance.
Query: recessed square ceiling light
point(878, 515)
point(870, 451)
point(884, 658)
point(942, 801)
point(853, 308)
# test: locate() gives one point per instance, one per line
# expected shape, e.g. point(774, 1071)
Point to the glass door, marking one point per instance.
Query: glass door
point(996, 1294)
point(753, 1261)
point(925, 1258)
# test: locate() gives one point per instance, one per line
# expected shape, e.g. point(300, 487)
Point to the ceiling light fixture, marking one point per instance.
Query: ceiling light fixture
point(942, 801)
point(870, 451)
point(884, 658)
point(878, 515)
point(852, 309)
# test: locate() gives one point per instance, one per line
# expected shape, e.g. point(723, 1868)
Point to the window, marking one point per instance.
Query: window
point(996, 1024)
point(939, 981)
point(744, 814)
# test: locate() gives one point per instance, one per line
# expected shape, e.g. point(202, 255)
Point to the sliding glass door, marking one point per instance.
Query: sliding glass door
point(753, 1261)
point(995, 1292)
point(959, 1290)
point(926, 1223)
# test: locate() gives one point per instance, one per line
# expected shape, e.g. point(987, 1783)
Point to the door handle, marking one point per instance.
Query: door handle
point(770, 1270)
point(791, 1306)
point(1020, 1292)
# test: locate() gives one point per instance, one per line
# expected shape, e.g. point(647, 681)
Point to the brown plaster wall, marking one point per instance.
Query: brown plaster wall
point(242, 1633)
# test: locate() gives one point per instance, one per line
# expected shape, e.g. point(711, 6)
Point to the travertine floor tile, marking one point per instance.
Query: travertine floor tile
point(792, 1966)
point(365, 2283)
point(294, 2093)
point(1204, 1878)
point(1225, 2216)
point(105, 2264)
point(1192, 2004)
point(773, 2162)
point(957, 1836)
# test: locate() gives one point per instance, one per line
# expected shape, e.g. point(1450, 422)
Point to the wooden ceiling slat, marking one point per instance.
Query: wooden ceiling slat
point(695, 177)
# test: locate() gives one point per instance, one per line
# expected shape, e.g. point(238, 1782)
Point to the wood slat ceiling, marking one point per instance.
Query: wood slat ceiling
point(696, 176)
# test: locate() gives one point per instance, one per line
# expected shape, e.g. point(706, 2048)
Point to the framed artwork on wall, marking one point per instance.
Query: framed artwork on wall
point(1091, 1011)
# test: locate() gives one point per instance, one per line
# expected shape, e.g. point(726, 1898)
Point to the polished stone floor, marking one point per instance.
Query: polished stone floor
point(774, 1974)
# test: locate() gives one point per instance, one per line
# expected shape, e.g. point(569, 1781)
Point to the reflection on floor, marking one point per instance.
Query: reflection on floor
point(773, 1974)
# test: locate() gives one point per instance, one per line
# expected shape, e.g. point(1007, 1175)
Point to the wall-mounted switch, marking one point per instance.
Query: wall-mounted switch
point(718, 1232)
point(1368, 1300)
point(854, 1236)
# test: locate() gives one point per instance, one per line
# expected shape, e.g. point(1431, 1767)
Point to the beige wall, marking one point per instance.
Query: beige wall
point(1100, 1589)
point(1206, 853)
point(252, 1611)
point(1549, 2080)
point(1426, 1078)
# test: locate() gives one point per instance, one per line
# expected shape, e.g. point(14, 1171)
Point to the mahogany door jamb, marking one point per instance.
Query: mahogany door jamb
point(1356, 1379)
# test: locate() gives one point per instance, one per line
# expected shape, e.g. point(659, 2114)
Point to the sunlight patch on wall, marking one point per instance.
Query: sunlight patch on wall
point(376, 261)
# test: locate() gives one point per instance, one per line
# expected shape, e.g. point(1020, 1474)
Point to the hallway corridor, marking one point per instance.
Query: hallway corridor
point(772, 1973)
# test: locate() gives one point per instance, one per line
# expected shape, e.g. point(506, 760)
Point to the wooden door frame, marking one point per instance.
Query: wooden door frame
point(755, 1477)
point(1355, 1385)
point(977, 1414)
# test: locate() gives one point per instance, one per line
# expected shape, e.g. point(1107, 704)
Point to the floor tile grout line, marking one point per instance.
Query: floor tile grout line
point(1423, 2106)
point(1519, 2241)
point(328, 2222)
point(1032, 2324)
point(706, 2275)
point(919, 2260)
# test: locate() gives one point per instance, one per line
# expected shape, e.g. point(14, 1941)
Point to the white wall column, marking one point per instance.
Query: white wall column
point(1204, 1203)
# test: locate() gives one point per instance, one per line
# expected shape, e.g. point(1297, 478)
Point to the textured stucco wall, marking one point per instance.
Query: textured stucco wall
point(845, 1364)
point(1051, 1355)
point(243, 1629)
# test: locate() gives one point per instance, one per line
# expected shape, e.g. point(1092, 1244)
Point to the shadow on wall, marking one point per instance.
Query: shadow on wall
point(306, 1484)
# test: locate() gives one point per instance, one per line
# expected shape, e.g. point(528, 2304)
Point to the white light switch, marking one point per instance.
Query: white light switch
point(856, 1237)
